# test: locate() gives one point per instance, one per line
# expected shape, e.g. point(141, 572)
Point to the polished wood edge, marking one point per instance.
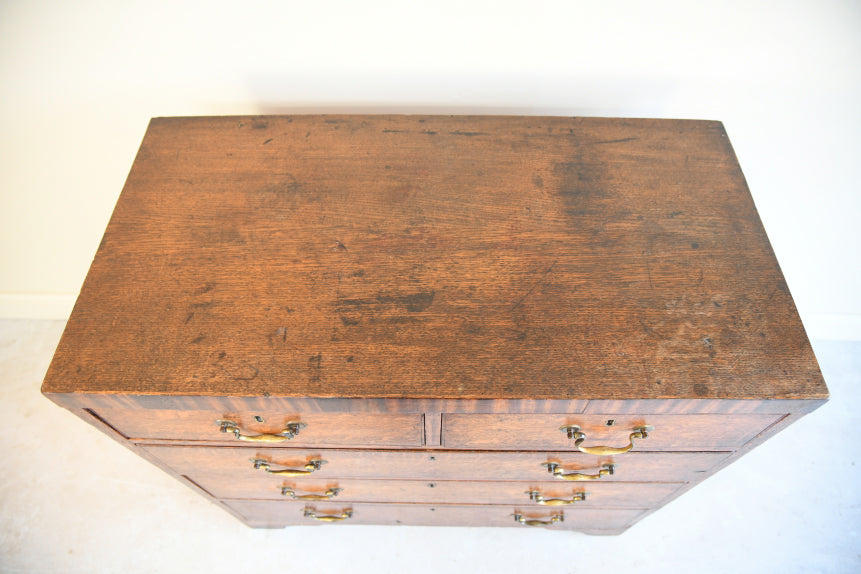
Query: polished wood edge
point(404, 406)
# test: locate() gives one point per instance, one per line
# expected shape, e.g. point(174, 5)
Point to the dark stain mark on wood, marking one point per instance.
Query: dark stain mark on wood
point(701, 390)
point(352, 311)
point(538, 181)
point(198, 339)
point(339, 246)
point(394, 131)
point(695, 245)
point(418, 302)
point(267, 141)
point(205, 288)
point(202, 305)
point(467, 134)
point(189, 317)
point(315, 365)
point(675, 214)
point(358, 273)
point(259, 125)
point(429, 132)
point(280, 334)
point(247, 373)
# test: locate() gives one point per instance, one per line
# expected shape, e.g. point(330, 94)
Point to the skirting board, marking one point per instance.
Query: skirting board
point(58, 306)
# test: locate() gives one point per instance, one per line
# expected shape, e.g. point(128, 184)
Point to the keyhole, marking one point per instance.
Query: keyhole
point(611, 422)
point(258, 418)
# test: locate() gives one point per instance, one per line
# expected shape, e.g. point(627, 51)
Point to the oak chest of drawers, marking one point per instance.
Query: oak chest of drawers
point(500, 321)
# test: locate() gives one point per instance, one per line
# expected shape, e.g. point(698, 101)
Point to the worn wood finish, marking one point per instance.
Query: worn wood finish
point(329, 429)
point(357, 405)
point(268, 514)
point(671, 432)
point(224, 464)
point(434, 297)
point(457, 257)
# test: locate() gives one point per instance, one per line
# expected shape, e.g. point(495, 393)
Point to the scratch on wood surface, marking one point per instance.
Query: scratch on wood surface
point(610, 141)
point(648, 268)
point(534, 286)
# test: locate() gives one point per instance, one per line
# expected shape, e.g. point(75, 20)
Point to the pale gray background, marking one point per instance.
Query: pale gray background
point(79, 81)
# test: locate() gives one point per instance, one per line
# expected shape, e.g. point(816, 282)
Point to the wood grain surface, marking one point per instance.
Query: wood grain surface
point(597, 494)
point(270, 514)
point(533, 432)
point(322, 429)
point(226, 464)
point(436, 257)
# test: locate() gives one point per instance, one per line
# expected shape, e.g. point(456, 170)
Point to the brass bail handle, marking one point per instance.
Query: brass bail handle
point(312, 513)
point(310, 466)
point(555, 469)
point(536, 496)
point(525, 521)
point(291, 429)
point(329, 494)
point(578, 436)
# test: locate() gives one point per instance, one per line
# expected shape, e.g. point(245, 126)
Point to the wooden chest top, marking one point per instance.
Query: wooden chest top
point(436, 257)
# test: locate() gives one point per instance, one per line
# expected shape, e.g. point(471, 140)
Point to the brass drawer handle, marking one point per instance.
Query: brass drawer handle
point(329, 494)
point(311, 513)
point(553, 519)
point(291, 429)
point(556, 470)
point(578, 436)
point(536, 496)
point(310, 466)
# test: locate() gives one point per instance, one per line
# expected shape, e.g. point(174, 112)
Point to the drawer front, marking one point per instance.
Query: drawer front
point(320, 429)
point(220, 465)
point(670, 432)
point(535, 493)
point(273, 514)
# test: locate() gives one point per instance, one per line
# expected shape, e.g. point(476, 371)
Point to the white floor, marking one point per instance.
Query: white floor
point(72, 500)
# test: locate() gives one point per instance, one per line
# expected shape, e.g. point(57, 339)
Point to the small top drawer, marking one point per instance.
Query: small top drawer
point(271, 428)
point(547, 431)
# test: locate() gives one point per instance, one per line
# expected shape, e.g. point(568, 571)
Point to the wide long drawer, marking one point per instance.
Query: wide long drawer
point(326, 429)
point(222, 465)
point(547, 431)
point(272, 514)
point(591, 495)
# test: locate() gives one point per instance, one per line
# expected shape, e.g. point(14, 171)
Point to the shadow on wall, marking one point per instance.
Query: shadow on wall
point(536, 96)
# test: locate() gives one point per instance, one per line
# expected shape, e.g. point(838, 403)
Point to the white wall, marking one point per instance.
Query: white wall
point(79, 81)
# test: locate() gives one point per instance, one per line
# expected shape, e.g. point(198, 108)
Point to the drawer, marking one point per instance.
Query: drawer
point(213, 466)
point(581, 495)
point(325, 429)
point(670, 432)
point(272, 514)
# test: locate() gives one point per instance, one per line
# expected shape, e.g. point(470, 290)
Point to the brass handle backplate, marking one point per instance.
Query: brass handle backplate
point(555, 469)
point(331, 493)
point(291, 429)
point(310, 466)
point(578, 436)
point(311, 513)
point(528, 522)
point(536, 496)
